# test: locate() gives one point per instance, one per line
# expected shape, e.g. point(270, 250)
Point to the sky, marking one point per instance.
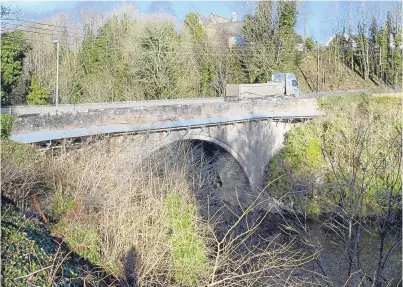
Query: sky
point(321, 14)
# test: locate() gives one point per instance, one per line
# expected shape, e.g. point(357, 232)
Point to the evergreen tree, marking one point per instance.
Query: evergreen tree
point(383, 53)
point(260, 52)
point(374, 49)
point(236, 73)
point(309, 44)
point(101, 56)
point(286, 35)
point(397, 58)
point(200, 49)
point(196, 29)
point(271, 40)
point(13, 51)
point(37, 95)
point(389, 48)
point(362, 53)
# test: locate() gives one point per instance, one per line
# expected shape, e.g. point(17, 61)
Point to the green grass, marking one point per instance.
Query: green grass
point(60, 205)
point(187, 250)
point(387, 101)
point(83, 239)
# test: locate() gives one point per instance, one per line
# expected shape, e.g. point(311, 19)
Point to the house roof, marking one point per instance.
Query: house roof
point(346, 37)
point(212, 19)
point(205, 20)
point(219, 19)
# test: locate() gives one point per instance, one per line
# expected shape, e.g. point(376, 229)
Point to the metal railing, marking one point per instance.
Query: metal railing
point(161, 126)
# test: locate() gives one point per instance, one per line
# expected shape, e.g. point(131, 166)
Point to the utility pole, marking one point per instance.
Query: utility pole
point(305, 3)
point(317, 67)
point(57, 42)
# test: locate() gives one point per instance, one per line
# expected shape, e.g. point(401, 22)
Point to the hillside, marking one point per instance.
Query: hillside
point(30, 256)
point(125, 59)
point(337, 75)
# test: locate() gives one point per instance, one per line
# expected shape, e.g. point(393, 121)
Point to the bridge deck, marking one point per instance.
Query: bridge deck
point(53, 135)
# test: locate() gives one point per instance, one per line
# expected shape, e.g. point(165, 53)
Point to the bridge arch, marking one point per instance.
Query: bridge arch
point(167, 140)
point(224, 146)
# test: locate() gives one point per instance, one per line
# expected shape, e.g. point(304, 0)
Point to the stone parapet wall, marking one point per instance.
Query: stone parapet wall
point(26, 122)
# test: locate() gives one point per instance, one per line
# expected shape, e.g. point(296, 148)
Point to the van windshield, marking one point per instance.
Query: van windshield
point(278, 77)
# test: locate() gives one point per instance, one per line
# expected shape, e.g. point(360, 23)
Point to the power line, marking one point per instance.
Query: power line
point(39, 23)
point(38, 28)
point(18, 28)
point(7, 36)
point(176, 48)
point(101, 36)
point(33, 40)
point(178, 51)
point(189, 46)
point(35, 32)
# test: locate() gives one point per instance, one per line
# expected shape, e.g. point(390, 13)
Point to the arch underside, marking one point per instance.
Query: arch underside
point(168, 141)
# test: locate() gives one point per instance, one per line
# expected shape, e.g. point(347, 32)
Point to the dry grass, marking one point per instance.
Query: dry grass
point(137, 217)
point(21, 175)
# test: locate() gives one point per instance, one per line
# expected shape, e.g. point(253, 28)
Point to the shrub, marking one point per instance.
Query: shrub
point(141, 218)
point(316, 161)
point(37, 95)
point(187, 250)
point(6, 125)
point(61, 205)
point(20, 171)
point(83, 238)
point(23, 156)
point(299, 166)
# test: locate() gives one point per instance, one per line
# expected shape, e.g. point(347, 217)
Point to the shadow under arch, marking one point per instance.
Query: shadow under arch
point(209, 139)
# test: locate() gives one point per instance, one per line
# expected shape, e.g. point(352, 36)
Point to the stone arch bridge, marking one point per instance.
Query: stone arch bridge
point(251, 132)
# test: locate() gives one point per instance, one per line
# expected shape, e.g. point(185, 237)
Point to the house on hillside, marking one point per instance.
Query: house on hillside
point(219, 28)
point(345, 38)
point(392, 43)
